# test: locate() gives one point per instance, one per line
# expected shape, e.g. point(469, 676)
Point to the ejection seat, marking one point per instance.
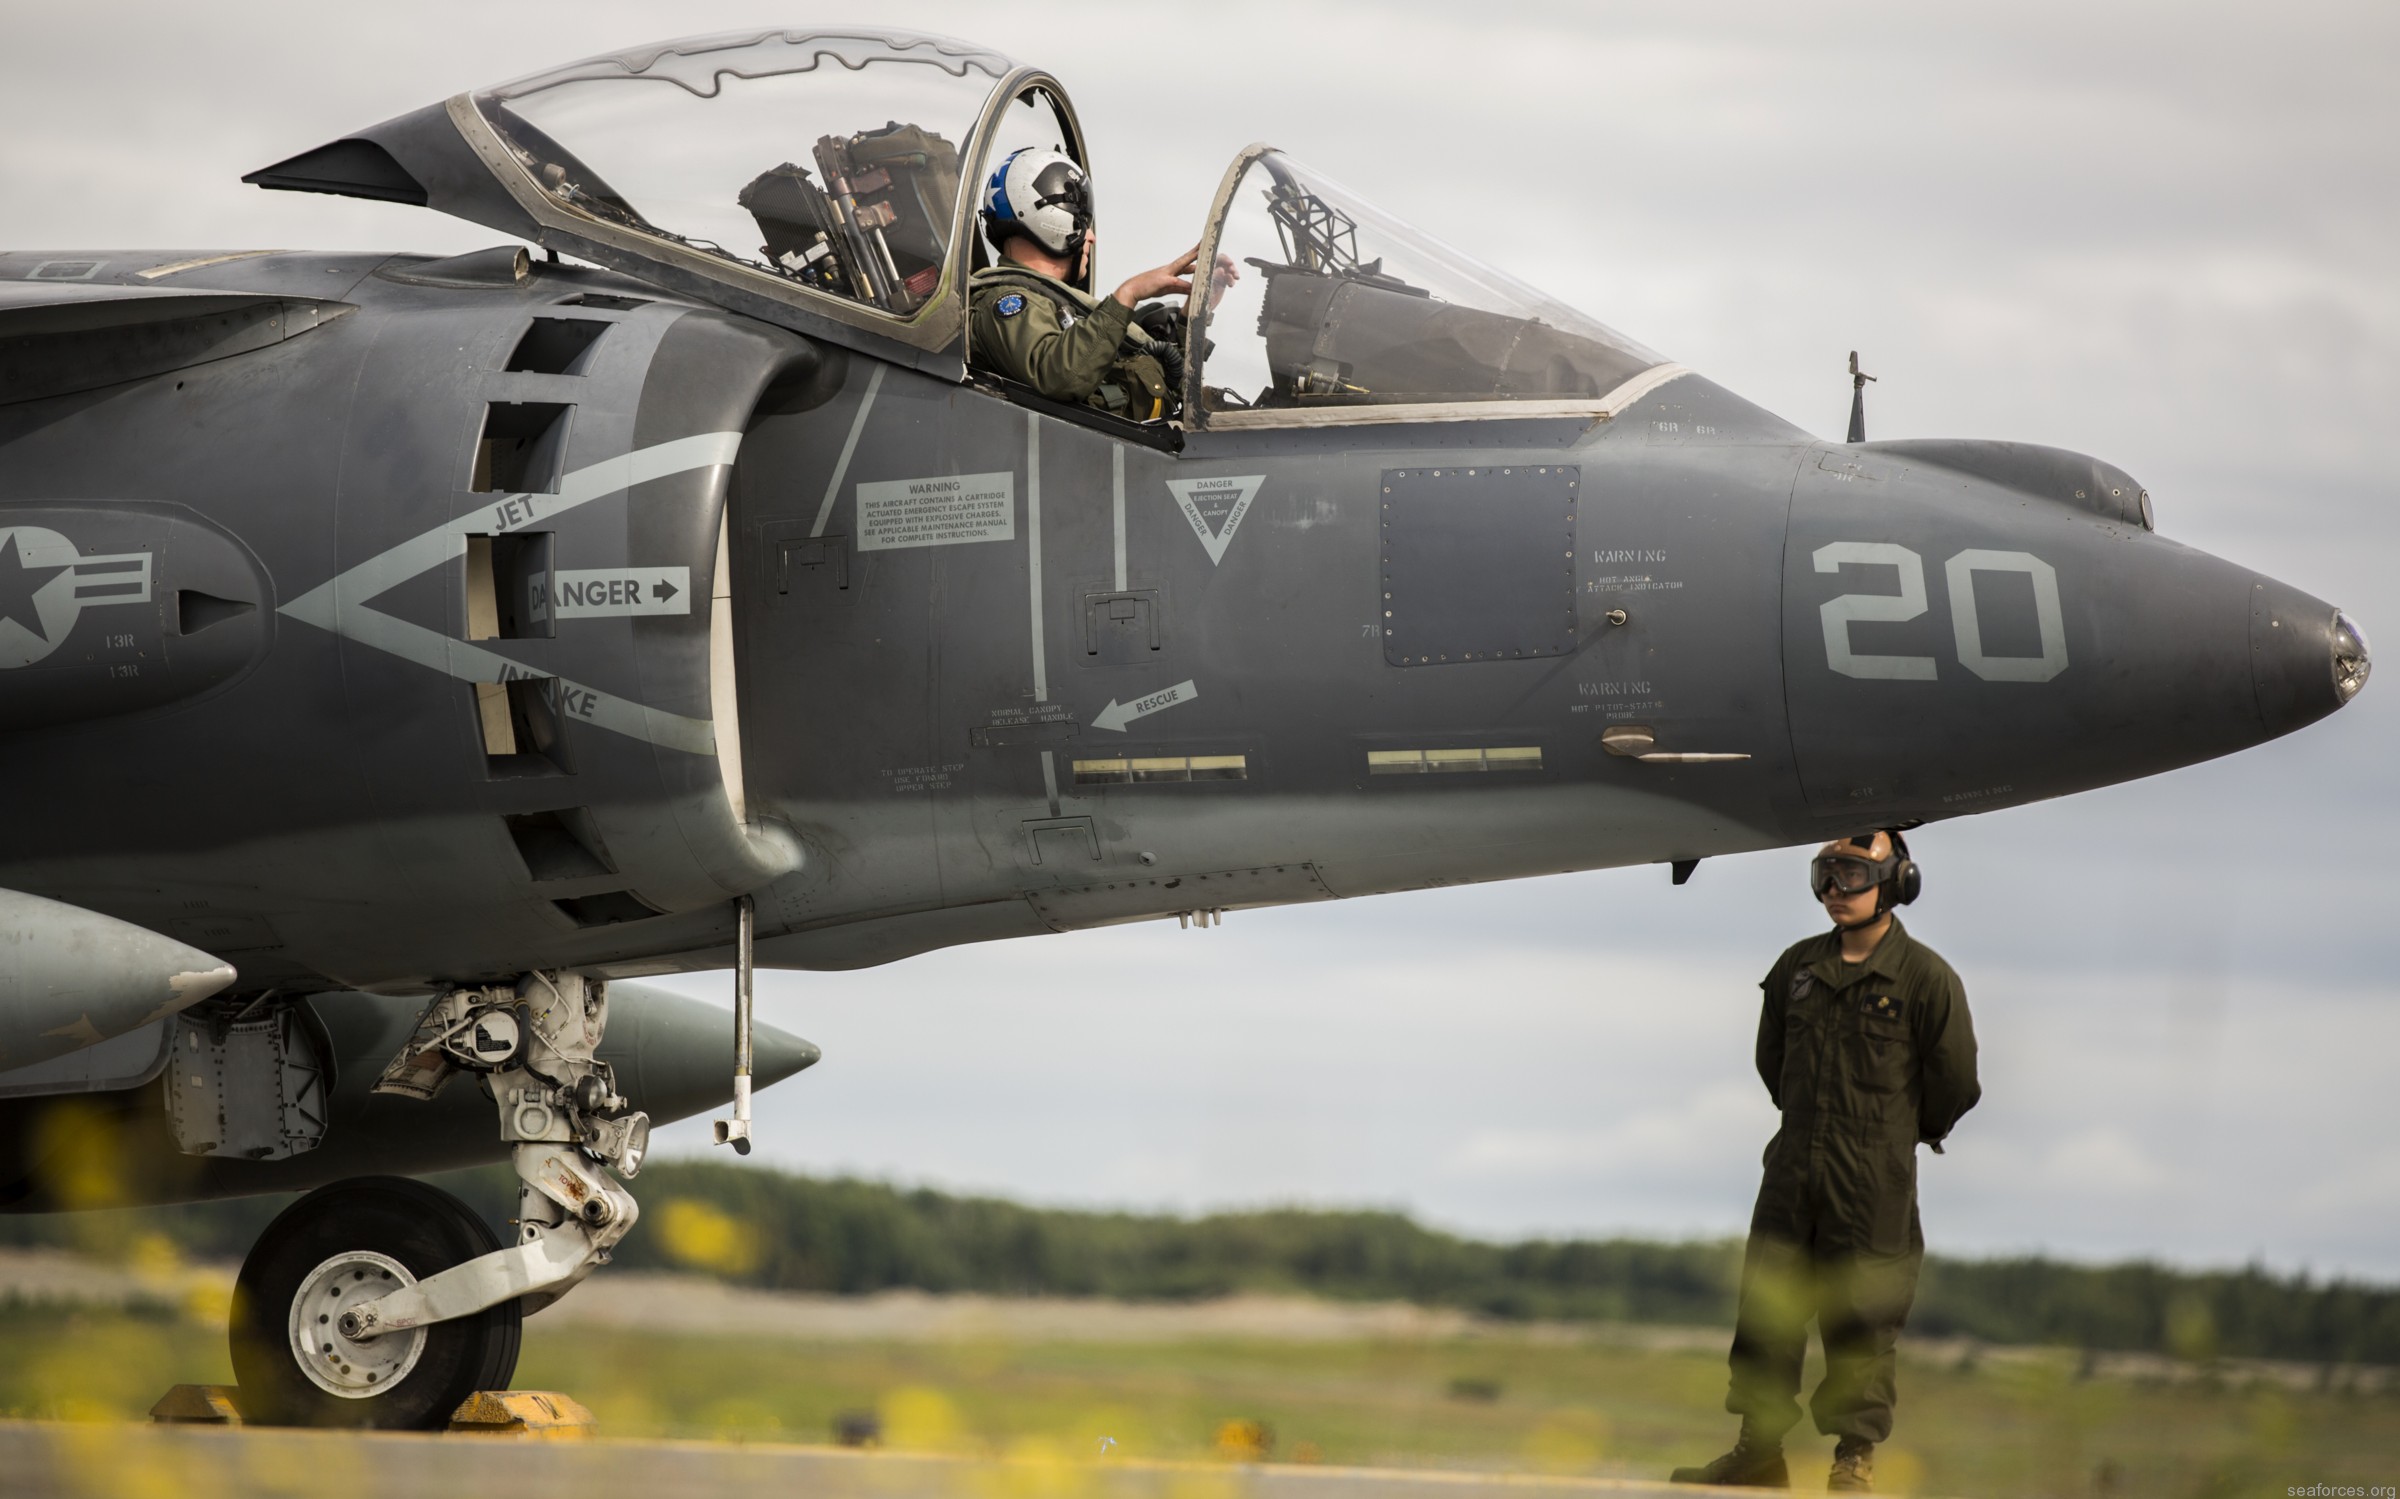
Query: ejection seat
point(878, 236)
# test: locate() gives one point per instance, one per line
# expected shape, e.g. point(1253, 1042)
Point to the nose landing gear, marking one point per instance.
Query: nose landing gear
point(383, 1302)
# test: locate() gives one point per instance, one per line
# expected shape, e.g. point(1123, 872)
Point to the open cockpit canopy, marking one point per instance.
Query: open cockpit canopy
point(1332, 310)
point(826, 180)
point(828, 160)
point(813, 178)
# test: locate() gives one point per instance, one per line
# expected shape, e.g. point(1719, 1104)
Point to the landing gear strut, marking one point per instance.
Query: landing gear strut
point(384, 1302)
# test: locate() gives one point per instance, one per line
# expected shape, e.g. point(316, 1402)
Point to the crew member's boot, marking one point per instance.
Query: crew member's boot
point(1756, 1462)
point(1853, 1467)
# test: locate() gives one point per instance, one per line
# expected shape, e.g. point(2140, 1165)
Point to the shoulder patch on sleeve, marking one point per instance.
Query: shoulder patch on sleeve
point(1010, 305)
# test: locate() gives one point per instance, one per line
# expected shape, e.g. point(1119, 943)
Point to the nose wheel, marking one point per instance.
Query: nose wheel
point(335, 1362)
point(342, 1246)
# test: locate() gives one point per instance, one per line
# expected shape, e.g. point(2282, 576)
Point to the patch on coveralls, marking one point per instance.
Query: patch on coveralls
point(1010, 305)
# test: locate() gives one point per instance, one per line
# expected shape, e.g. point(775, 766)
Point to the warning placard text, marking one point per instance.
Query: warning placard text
point(937, 512)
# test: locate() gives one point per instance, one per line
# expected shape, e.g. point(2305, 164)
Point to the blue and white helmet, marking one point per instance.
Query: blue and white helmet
point(1043, 195)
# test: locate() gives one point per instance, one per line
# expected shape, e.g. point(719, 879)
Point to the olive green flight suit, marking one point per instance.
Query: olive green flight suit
point(1865, 1060)
point(1066, 344)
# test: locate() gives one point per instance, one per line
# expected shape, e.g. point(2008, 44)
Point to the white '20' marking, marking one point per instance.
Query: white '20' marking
point(2052, 620)
point(1838, 613)
point(1966, 629)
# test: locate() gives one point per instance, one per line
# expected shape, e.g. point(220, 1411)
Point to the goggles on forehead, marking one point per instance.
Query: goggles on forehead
point(1849, 873)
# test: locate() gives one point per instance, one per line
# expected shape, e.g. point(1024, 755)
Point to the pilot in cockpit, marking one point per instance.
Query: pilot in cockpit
point(1031, 324)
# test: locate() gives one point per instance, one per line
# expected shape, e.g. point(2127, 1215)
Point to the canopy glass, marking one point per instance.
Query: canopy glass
point(830, 160)
point(1324, 301)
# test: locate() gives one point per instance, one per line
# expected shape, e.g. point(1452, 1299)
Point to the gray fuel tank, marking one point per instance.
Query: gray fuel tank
point(71, 978)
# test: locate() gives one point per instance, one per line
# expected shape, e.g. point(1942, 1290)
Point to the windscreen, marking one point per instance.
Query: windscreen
point(828, 159)
point(1326, 301)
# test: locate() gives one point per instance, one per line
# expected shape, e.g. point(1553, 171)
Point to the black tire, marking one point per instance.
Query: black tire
point(422, 1228)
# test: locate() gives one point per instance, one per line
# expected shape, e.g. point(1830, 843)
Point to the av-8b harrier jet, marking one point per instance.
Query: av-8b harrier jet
point(401, 657)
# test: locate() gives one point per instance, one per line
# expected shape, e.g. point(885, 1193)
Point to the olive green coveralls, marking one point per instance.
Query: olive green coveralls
point(1068, 345)
point(1865, 1060)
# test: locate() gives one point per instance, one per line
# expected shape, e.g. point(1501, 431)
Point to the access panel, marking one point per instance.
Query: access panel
point(1478, 563)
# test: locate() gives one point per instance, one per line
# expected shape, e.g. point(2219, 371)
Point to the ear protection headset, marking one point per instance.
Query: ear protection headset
point(1905, 883)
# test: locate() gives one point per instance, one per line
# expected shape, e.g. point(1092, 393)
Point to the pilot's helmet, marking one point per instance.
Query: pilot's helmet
point(1042, 194)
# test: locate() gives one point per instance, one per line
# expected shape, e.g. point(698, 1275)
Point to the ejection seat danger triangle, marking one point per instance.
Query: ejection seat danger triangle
point(1215, 507)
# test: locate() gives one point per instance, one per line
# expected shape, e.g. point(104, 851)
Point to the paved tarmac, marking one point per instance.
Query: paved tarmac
point(41, 1460)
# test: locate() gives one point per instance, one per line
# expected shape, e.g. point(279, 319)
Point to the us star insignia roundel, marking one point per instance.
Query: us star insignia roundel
point(1010, 305)
point(46, 584)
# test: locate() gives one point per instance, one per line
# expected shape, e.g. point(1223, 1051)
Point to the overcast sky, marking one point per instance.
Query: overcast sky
point(2161, 233)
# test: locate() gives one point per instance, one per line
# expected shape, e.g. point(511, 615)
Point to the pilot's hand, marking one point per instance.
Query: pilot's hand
point(1161, 280)
point(1225, 276)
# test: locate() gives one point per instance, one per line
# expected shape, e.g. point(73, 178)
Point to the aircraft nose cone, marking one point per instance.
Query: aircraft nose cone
point(2307, 658)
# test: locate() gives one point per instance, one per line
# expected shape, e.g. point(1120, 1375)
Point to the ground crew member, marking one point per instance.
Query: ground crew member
point(1030, 325)
point(1866, 1046)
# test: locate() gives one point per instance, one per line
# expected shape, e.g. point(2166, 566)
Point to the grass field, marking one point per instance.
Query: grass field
point(1535, 1401)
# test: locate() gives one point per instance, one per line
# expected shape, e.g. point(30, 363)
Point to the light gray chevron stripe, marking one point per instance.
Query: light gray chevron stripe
point(340, 603)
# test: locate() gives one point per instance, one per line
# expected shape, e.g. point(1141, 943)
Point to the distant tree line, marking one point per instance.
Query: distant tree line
point(766, 1228)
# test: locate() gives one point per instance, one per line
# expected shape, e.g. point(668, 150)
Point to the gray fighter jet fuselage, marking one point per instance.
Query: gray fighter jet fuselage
point(375, 625)
point(1269, 667)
